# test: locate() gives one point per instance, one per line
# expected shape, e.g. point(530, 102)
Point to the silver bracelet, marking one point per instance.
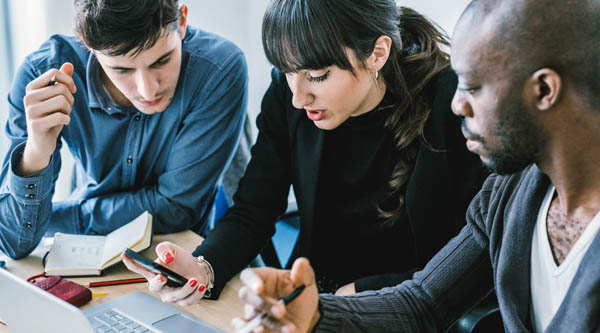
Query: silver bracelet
point(210, 273)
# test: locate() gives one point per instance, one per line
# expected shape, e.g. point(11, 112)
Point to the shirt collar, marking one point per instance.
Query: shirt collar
point(98, 96)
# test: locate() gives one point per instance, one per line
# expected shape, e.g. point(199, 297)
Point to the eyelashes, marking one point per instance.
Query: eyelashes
point(318, 78)
point(158, 64)
point(309, 77)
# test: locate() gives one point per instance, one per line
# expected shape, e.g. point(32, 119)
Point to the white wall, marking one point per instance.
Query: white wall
point(443, 12)
point(33, 21)
point(6, 69)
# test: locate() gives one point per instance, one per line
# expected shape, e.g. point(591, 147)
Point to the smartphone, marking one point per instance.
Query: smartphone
point(173, 279)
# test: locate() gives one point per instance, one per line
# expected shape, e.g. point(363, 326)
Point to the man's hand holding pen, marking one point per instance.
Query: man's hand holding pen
point(279, 300)
point(48, 101)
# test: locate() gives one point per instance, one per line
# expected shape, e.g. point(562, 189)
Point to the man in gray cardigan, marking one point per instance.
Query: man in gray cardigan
point(529, 93)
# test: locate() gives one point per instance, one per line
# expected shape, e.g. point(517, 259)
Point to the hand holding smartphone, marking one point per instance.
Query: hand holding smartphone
point(173, 279)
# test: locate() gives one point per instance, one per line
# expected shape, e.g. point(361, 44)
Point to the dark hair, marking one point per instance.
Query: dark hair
point(120, 26)
point(312, 34)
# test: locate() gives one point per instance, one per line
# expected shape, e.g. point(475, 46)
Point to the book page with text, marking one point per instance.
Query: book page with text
point(76, 251)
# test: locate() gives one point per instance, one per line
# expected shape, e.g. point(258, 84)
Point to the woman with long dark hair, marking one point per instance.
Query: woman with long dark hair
point(357, 119)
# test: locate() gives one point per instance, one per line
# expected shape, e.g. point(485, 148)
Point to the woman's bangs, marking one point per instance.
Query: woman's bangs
point(295, 38)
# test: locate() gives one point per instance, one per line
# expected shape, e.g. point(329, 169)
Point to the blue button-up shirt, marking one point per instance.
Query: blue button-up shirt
point(127, 162)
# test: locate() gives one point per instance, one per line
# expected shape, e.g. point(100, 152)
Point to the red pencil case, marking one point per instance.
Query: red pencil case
point(66, 290)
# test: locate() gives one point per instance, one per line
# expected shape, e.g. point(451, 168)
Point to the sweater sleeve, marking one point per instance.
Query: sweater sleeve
point(375, 282)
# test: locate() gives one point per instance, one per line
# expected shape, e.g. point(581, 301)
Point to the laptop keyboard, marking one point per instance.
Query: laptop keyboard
point(112, 321)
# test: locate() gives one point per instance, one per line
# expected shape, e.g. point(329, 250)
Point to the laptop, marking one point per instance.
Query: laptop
point(27, 308)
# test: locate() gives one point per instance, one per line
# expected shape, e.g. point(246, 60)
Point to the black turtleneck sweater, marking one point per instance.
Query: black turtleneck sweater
point(349, 240)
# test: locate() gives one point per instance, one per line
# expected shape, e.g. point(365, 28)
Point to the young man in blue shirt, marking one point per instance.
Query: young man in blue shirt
point(150, 108)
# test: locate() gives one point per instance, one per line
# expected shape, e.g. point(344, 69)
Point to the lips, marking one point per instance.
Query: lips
point(472, 144)
point(315, 115)
point(151, 103)
point(473, 140)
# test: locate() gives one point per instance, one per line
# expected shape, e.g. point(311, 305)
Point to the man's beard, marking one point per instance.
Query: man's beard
point(519, 138)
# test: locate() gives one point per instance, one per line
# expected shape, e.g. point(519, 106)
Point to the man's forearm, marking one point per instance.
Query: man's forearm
point(25, 205)
point(371, 311)
point(103, 214)
point(32, 162)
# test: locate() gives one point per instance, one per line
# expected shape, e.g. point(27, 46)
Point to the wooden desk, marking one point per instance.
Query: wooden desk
point(217, 313)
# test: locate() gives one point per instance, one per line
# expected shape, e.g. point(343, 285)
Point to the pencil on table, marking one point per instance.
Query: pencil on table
point(116, 282)
point(101, 293)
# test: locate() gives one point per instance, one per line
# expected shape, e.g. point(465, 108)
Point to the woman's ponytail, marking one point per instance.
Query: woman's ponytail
point(418, 60)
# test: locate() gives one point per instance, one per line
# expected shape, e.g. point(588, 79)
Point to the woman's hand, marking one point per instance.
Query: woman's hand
point(180, 261)
point(262, 289)
point(348, 289)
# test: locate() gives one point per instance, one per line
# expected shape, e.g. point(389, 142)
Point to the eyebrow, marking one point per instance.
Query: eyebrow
point(160, 59)
point(458, 73)
point(467, 73)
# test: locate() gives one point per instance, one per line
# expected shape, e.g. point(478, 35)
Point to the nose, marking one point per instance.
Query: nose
point(302, 96)
point(461, 106)
point(147, 85)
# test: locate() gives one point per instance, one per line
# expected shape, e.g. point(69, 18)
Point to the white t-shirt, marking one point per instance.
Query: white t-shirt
point(550, 283)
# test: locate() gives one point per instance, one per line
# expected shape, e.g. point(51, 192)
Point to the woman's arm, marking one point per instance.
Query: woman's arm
point(261, 196)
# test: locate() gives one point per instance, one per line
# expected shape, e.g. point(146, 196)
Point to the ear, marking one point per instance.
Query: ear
point(183, 12)
point(380, 54)
point(547, 88)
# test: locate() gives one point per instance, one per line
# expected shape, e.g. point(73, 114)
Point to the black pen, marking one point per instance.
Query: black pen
point(285, 300)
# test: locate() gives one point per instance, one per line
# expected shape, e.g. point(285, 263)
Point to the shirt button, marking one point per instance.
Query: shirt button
point(137, 117)
point(28, 225)
point(129, 159)
point(30, 186)
point(30, 196)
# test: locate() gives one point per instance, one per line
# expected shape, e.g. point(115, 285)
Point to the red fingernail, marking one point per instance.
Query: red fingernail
point(202, 288)
point(193, 283)
point(168, 257)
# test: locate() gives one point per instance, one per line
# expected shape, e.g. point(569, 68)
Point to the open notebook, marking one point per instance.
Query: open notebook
point(79, 255)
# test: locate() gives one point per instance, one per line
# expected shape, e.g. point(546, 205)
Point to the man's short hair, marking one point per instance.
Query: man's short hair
point(561, 35)
point(117, 27)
